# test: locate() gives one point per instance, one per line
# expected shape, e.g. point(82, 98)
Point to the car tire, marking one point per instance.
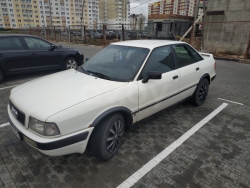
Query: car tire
point(201, 92)
point(110, 130)
point(71, 63)
point(1, 76)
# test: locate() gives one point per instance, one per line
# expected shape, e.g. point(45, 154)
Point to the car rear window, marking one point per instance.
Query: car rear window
point(10, 43)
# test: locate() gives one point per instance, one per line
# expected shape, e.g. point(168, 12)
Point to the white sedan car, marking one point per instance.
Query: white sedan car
point(126, 82)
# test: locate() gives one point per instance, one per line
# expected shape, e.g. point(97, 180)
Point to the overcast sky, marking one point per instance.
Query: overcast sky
point(141, 9)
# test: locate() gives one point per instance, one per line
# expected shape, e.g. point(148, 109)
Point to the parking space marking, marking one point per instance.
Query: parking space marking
point(5, 124)
point(8, 87)
point(157, 159)
point(231, 101)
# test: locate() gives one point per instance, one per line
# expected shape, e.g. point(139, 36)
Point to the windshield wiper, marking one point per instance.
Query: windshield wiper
point(100, 75)
point(84, 70)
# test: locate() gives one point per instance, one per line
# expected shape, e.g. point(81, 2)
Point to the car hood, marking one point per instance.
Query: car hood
point(46, 96)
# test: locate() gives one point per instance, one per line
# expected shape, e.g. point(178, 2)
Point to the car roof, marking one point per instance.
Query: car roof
point(15, 35)
point(151, 44)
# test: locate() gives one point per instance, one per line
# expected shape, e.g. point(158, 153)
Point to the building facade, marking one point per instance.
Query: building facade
point(167, 26)
point(178, 7)
point(137, 22)
point(227, 28)
point(114, 13)
point(39, 13)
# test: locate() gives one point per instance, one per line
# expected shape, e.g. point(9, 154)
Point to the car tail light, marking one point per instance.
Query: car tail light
point(214, 65)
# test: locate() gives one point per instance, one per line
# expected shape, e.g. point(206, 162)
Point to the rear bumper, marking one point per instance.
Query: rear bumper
point(74, 143)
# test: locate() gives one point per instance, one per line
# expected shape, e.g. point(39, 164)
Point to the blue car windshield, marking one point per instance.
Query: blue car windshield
point(116, 62)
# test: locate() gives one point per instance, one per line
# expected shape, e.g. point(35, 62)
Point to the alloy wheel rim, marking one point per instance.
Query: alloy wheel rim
point(203, 92)
point(115, 136)
point(71, 64)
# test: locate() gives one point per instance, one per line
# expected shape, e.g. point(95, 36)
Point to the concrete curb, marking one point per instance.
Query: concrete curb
point(226, 59)
point(244, 61)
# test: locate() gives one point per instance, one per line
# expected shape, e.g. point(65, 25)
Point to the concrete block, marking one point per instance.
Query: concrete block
point(233, 16)
point(236, 5)
point(247, 5)
point(245, 15)
point(219, 4)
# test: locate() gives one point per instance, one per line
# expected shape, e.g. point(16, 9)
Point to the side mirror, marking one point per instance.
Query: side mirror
point(154, 75)
point(86, 59)
point(52, 47)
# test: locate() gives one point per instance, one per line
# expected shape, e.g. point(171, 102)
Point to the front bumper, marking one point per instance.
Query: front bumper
point(81, 59)
point(73, 143)
point(212, 79)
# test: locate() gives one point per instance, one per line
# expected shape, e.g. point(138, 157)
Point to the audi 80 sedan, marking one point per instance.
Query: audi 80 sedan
point(124, 83)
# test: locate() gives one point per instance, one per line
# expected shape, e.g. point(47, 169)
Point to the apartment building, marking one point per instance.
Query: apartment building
point(177, 7)
point(39, 13)
point(114, 13)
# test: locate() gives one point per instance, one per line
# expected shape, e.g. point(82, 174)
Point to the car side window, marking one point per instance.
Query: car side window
point(184, 56)
point(196, 55)
point(10, 43)
point(34, 43)
point(161, 59)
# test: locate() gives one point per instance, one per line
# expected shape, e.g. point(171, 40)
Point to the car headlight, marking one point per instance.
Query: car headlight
point(43, 128)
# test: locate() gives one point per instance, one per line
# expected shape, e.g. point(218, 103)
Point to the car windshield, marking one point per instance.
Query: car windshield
point(117, 63)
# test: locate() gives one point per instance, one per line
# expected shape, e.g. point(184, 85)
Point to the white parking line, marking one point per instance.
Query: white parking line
point(157, 159)
point(8, 87)
point(231, 101)
point(5, 124)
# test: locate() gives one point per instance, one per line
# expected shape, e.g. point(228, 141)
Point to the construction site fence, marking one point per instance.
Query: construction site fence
point(104, 34)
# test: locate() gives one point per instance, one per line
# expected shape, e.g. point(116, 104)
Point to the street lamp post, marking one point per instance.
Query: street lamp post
point(28, 17)
point(82, 17)
point(45, 34)
point(51, 24)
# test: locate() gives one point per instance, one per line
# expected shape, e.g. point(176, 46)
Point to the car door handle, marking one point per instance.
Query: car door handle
point(33, 53)
point(1, 55)
point(175, 77)
point(197, 69)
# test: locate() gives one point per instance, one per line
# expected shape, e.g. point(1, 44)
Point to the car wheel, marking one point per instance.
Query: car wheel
point(71, 63)
point(1, 76)
point(106, 138)
point(201, 93)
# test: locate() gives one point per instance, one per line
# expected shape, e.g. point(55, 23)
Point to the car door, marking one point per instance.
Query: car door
point(156, 95)
point(13, 55)
point(41, 54)
point(188, 68)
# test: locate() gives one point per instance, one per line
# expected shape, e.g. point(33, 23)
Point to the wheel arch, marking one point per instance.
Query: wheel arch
point(205, 76)
point(1, 69)
point(72, 56)
point(126, 113)
point(1, 79)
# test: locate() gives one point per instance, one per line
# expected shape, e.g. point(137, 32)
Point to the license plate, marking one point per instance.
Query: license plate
point(16, 133)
